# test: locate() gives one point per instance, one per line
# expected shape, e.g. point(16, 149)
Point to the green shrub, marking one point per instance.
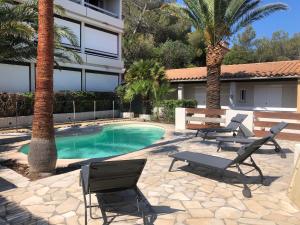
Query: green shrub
point(169, 106)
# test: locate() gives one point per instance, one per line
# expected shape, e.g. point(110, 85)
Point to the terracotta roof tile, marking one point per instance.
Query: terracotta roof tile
point(241, 71)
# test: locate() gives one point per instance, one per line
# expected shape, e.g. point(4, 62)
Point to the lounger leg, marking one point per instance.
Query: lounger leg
point(205, 136)
point(277, 146)
point(258, 169)
point(104, 216)
point(219, 146)
point(84, 200)
point(197, 133)
point(171, 166)
point(246, 190)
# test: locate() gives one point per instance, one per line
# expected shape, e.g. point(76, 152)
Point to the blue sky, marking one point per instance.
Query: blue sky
point(287, 20)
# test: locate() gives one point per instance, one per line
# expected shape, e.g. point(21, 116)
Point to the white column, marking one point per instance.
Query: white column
point(180, 118)
point(180, 91)
point(82, 38)
point(83, 80)
point(232, 95)
point(120, 45)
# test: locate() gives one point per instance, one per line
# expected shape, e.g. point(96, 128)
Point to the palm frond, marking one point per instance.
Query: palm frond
point(257, 14)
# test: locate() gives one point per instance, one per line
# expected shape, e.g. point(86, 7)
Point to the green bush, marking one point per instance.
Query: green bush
point(63, 102)
point(169, 106)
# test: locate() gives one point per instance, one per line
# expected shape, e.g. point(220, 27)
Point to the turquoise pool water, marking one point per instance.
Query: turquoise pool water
point(112, 140)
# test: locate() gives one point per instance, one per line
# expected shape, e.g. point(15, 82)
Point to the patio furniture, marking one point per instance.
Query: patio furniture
point(222, 164)
point(274, 131)
point(233, 127)
point(112, 178)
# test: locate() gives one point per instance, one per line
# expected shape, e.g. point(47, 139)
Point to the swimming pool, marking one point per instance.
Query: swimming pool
point(112, 140)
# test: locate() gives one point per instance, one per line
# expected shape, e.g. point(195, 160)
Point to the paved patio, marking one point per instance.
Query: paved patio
point(188, 196)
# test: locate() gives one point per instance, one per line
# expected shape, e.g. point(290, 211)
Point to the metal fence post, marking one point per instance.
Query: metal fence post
point(95, 111)
point(113, 110)
point(16, 116)
point(74, 113)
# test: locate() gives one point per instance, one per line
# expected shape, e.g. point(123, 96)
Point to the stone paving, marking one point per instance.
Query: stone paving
point(187, 196)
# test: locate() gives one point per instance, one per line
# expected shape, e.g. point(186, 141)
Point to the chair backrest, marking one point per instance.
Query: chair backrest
point(246, 151)
point(236, 121)
point(114, 175)
point(277, 128)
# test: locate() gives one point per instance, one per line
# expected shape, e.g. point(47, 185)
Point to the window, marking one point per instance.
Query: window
point(97, 3)
point(243, 93)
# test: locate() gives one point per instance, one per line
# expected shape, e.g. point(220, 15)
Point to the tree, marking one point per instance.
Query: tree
point(18, 32)
point(196, 40)
point(43, 155)
point(145, 79)
point(219, 20)
point(147, 27)
point(175, 54)
point(243, 49)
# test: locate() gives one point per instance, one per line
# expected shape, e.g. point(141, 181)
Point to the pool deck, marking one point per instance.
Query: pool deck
point(187, 196)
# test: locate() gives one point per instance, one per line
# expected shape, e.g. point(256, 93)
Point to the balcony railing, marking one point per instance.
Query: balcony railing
point(96, 8)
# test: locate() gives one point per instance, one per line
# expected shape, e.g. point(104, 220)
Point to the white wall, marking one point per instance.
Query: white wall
point(101, 82)
point(101, 41)
point(74, 27)
point(14, 78)
point(67, 80)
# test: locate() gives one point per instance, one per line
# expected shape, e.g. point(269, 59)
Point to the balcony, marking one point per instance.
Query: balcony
point(107, 7)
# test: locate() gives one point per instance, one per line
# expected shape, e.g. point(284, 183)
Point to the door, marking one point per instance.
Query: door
point(267, 96)
point(200, 96)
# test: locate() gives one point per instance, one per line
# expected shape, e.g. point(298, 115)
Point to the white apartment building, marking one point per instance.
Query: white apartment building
point(98, 26)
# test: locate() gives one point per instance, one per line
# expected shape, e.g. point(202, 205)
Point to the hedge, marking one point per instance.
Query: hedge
point(22, 104)
point(169, 106)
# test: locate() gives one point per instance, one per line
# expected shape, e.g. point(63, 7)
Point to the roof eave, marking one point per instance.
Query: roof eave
point(238, 78)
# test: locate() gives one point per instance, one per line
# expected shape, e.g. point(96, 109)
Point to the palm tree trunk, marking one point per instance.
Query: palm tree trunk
point(214, 57)
point(42, 155)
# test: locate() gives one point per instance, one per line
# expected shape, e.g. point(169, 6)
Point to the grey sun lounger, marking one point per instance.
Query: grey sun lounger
point(112, 178)
point(274, 131)
point(222, 164)
point(235, 127)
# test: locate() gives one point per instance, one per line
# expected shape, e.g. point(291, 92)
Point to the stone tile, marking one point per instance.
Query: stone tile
point(200, 213)
point(71, 204)
point(33, 200)
point(179, 196)
point(164, 222)
point(228, 213)
point(236, 203)
point(204, 221)
point(192, 204)
point(57, 219)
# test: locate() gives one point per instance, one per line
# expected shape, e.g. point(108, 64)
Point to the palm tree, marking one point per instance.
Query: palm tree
point(146, 79)
point(18, 32)
point(219, 20)
point(43, 155)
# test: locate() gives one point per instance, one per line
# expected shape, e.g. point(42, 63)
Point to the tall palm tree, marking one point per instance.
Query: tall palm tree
point(43, 155)
point(219, 20)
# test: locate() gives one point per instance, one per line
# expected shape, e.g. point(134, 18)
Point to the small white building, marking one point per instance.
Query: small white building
point(266, 86)
point(98, 26)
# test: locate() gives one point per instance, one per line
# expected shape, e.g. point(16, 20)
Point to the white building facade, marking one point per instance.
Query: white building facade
point(98, 26)
point(269, 86)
